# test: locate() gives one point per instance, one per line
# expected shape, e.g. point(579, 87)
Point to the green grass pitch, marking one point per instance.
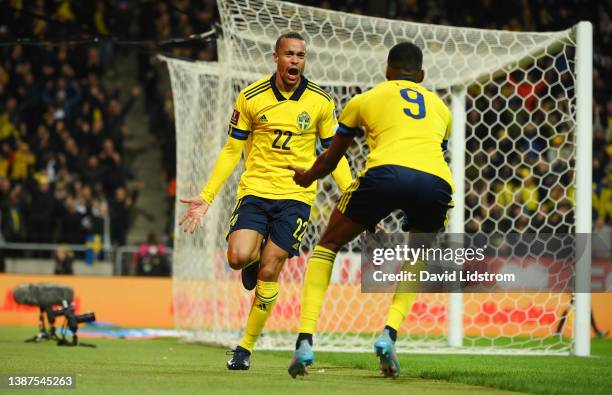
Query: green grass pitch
point(166, 366)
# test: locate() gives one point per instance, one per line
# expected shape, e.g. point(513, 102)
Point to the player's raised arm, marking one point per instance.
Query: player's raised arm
point(327, 129)
point(224, 166)
point(226, 162)
point(342, 174)
point(325, 163)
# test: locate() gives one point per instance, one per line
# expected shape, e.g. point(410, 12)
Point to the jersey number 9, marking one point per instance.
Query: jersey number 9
point(412, 96)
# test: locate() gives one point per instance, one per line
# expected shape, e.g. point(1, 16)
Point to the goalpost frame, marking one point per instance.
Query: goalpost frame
point(459, 305)
point(457, 215)
point(584, 177)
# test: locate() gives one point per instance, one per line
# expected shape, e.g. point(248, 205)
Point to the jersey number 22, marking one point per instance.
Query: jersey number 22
point(285, 144)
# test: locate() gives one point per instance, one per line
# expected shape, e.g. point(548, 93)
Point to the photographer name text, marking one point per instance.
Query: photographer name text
point(454, 276)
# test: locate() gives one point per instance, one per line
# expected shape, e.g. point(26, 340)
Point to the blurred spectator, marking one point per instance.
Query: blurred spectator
point(114, 118)
point(602, 199)
point(64, 258)
point(23, 159)
point(152, 258)
point(602, 240)
point(120, 216)
point(42, 212)
point(13, 212)
point(529, 193)
point(71, 223)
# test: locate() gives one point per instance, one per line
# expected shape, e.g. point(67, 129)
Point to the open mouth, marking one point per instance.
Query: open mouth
point(293, 71)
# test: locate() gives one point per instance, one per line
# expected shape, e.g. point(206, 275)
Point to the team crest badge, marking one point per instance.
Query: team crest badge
point(303, 120)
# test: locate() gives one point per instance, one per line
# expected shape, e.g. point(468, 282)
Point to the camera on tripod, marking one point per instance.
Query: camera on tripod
point(45, 296)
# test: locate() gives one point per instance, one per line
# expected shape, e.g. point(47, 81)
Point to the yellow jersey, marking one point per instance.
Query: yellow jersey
point(278, 130)
point(405, 125)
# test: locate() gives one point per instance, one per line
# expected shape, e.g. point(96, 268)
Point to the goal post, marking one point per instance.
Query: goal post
point(521, 109)
point(584, 175)
point(457, 213)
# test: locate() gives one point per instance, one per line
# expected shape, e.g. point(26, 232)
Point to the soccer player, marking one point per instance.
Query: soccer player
point(276, 121)
point(407, 128)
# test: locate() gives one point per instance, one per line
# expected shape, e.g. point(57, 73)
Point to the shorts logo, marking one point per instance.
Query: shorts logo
point(235, 117)
point(303, 120)
point(295, 246)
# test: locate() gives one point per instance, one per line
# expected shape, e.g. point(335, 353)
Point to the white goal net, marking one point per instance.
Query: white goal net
point(519, 175)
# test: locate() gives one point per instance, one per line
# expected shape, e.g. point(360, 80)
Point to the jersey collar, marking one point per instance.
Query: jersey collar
point(407, 79)
point(296, 94)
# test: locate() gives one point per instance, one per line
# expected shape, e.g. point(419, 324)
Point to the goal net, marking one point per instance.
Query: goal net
point(519, 154)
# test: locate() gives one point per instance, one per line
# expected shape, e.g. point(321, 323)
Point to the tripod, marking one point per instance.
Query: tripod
point(42, 330)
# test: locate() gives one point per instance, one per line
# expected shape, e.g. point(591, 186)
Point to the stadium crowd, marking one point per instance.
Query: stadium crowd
point(528, 143)
point(62, 128)
point(528, 156)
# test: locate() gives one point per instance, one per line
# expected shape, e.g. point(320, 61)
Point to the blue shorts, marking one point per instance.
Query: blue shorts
point(423, 197)
point(284, 221)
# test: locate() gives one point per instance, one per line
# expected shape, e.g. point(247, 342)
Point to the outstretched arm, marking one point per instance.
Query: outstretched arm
point(342, 174)
point(228, 159)
point(325, 163)
point(224, 166)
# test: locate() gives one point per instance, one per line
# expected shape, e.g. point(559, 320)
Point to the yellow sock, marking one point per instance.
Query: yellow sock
point(400, 307)
point(266, 294)
point(315, 285)
point(404, 297)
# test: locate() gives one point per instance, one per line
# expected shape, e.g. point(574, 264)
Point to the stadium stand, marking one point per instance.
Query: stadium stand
point(62, 125)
